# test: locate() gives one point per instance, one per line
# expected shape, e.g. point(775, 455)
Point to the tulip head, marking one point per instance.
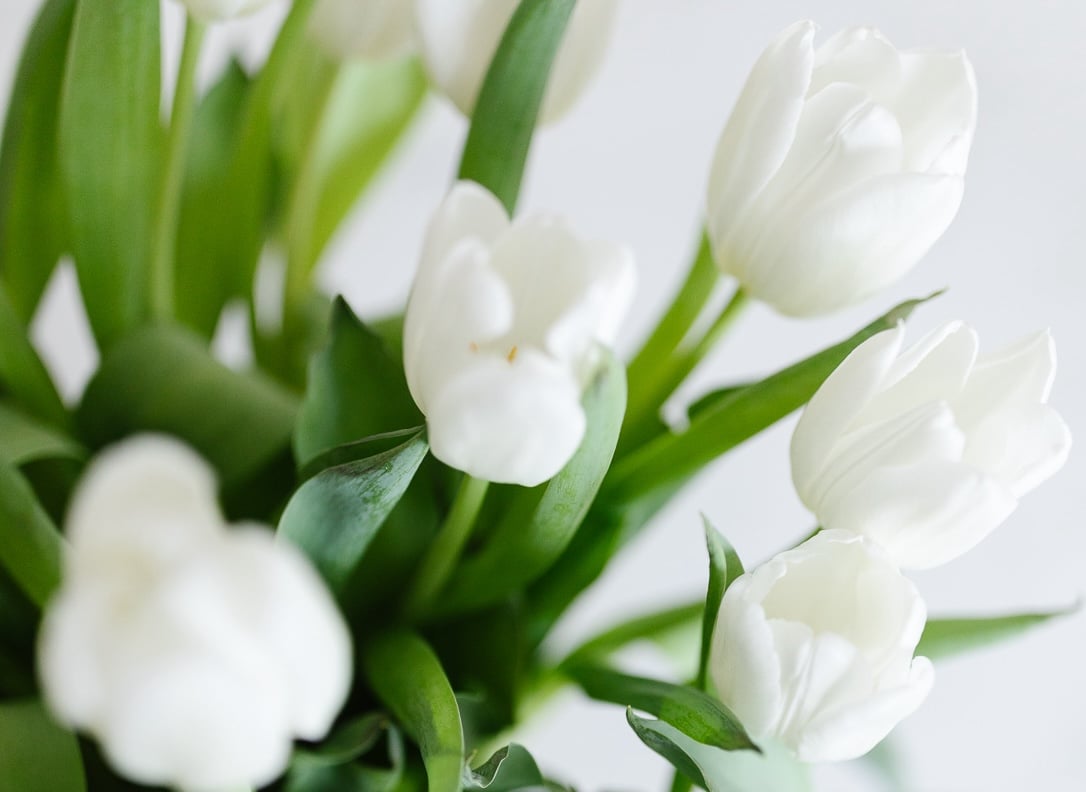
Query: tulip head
point(815, 648)
point(839, 167)
point(365, 29)
point(500, 335)
point(194, 653)
point(926, 450)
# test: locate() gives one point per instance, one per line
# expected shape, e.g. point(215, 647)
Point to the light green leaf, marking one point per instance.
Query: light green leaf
point(539, 525)
point(21, 371)
point(723, 771)
point(510, 769)
point(724, 568)
point(32, 227)
point(658, 627)
point(110, 147)
point(335, 515)
point(506, 111)
point(695, 714)
point(407, 677)
point(162, 379)
point(356, 389)
point(333, 766)
point(949, 637)
point(30, 545)
point(23, 440)
point(38, 755)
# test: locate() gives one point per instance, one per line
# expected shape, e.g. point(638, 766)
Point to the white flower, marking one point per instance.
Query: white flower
point(194, 652)
point(839, 168)
point(927, 450)
point(369, 29)
point(500, 335)
point(459, 39)
point(216, 10)
point(815, 648)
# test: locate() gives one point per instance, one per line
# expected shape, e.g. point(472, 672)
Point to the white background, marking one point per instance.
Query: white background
point(631, 164)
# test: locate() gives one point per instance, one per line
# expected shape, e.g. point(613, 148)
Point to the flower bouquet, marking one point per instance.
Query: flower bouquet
point(336, 569)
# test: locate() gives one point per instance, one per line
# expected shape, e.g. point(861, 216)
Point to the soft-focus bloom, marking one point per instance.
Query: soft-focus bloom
point(927, 450)
point(194, 652)
point(815, 648)
point(839, 167)
point(500, 335)
point(459, 39)
point(215, 10)
point(369, 29)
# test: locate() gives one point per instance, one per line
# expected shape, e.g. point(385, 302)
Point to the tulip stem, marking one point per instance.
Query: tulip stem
point(440, 561)
point(164, 246)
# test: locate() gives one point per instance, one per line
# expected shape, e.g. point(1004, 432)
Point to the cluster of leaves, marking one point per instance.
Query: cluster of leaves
point(323, 439)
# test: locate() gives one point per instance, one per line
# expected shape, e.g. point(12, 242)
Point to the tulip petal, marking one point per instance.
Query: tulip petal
point(1020, 446)
point(579, 57)
point(375, 29)
point(468, 212)
point(858, 56)
point(937, 106)
point(1020, 374)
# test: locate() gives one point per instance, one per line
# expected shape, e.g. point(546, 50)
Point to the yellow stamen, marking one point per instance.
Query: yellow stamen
point(512, 354)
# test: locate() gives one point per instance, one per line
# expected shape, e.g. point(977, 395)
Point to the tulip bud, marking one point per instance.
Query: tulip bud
point(459, 40)
point(500, 335)
point(193, 652)
point(815, 648)
point(217, 10)
point(368, 29)
point(839, 167)
point(926, 451)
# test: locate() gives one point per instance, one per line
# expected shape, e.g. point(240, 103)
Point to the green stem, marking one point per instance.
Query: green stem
point(440, 561)
point(680, 783)
point(169, 197)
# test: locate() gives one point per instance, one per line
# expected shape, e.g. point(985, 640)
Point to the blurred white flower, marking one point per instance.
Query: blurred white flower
point(368, 29)
point(839, 167)
point(458, 40)
point(815, 648)
point(193, 652)
point(927, 450)
point(500, 335)
point(216, 10)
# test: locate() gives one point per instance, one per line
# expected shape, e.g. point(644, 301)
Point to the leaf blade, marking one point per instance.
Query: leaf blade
point(38, 755)
point(724, 568)
point(31, 548)
point(949, 637)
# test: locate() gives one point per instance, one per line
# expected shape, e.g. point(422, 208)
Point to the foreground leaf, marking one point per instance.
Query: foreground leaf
point(30, 545)
point(716, 770)
point(510, 769)
point(334, 765)
point(657, 627)
point(949, 637)
point(110, 142)
point(512, 93)
point(21, 371)
point(38, 755)
point(32, 227)
point(695, 714)
point(407, 677)
point(24, 440)
point(335, 515)
point(724, 568)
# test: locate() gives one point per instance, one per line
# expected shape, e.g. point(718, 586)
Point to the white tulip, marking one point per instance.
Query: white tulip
point(217, 10)
point(839, 167)
point(500, 335)
point(459, 40)
point(367, 29)
point(815, 648)
point(927, 450)
point(193, 652)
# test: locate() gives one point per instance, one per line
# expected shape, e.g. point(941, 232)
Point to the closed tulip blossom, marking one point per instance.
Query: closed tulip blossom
point(459, 39)
point(839, 167)
point(815, 648)
point(501, 335)
point(195, 653)
point(217, 10)
point(926, 450)
point(365, 29)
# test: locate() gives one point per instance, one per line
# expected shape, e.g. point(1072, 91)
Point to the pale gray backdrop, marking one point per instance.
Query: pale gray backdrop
point(631, 164)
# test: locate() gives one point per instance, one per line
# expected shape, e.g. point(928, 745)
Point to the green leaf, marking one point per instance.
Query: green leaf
point(38, 755)
point(203, 285)
point(32, 228)
point(21, 371)
point(723, 771)
point(162, 379)
point(724, 568)
point(356, 389)
point(510, 769)
point(949, 637)
point(505, 114)
point(335, 515)
point(23, 440)
point(695, 714)
point(526, 543)
point(30, 545)
point(407, 677)
point(333, 766)
point(110, 144)
point(657, 627)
